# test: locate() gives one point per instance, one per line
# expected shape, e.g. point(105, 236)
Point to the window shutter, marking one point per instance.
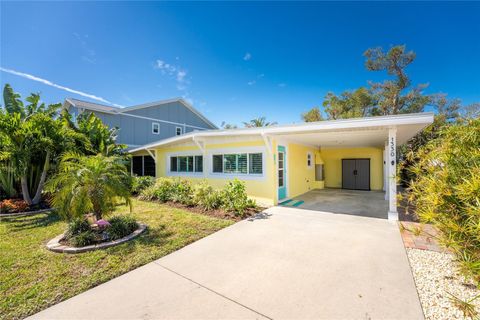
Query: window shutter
point(256, 163)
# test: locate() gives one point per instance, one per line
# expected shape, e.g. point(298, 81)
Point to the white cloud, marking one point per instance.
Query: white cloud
point(88, 54)
point(51, 84)
point(251, 83)
point(247, 56)
point(165, 68)
point(181, 75)
point(282, 85)
point(261, 75)
point(173, 71)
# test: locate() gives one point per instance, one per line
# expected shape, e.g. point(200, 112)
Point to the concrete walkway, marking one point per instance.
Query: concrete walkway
point(290, 264)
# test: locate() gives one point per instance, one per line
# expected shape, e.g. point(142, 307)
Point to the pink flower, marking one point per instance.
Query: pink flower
point(103, 223)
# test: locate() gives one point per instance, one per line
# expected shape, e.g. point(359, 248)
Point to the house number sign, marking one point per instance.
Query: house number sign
point(392, 150)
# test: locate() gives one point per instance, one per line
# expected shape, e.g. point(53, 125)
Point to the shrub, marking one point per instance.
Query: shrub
point(235, 199)
point(86, 184)
point(141, 183)
point(182, 192)
point(13, 205)
point(76, 227)
point(206, 197)
point(446, 191)
point(83, 239)
point(121, 226)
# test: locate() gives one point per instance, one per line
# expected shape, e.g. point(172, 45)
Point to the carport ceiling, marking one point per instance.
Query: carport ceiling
point(349, 138)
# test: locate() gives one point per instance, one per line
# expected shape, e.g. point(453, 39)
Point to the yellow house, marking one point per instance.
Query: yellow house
point(278, 163)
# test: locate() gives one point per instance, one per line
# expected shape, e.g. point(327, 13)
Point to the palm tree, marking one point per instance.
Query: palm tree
point(89, 184)
point(258, 122)
point(31, 138)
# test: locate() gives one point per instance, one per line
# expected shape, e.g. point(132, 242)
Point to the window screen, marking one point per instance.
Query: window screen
point(182, 164)
point(173, 164)
point(218, 163)
point(190, 164)
point(255, 163)
point(137, 166)
point(148, 166)
point(198, 163)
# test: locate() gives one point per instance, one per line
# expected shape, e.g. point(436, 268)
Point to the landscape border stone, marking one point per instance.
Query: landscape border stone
point(55, 245)
point(27, 213)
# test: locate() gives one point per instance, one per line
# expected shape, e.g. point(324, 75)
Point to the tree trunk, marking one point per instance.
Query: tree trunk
point(25, 192)
point(41, 183)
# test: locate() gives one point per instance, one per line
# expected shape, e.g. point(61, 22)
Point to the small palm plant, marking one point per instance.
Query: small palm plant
point(89, 184)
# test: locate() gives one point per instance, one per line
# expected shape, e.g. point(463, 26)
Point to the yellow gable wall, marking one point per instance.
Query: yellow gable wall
point(262, 190)
point(332, 159)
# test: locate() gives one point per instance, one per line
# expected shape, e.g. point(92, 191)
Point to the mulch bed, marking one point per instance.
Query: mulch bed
point(33, 209)
point(218, 213)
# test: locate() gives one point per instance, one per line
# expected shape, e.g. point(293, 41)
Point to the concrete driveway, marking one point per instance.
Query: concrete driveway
point(359, 203)
point(289, 264)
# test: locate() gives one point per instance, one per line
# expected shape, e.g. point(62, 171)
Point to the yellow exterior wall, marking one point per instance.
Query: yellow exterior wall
point(262, 190)
point(300, 177)
point(332, 159)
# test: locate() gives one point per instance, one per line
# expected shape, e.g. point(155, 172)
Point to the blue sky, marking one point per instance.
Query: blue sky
point(234, 61)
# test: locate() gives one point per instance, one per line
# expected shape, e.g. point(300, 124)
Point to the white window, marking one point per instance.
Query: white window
point(186, 164)
point(178, 131)
point(242, 163)
point(156, 128)
point(309, 159)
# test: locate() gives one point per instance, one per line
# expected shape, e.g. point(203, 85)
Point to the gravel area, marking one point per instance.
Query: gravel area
point(435, 276)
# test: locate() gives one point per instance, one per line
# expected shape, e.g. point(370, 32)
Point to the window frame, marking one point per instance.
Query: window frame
point(247, 173)
point(153, 127)
point(192, 165)
point(176, 131)
point(310, 159)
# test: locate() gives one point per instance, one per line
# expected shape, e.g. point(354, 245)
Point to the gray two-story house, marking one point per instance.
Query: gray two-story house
point(145, 123)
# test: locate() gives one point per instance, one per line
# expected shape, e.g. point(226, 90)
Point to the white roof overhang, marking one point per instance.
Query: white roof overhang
point(359, 132)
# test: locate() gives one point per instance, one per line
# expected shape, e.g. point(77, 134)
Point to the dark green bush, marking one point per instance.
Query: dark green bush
point(76, 227)
point(446, 191)
point(121, 226)
point(141, 183)
point(83, 239)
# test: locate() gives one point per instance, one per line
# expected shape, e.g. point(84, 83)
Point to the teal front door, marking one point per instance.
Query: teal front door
point(282, 173)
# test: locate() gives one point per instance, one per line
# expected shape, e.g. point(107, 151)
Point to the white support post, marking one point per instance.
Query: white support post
point(392, 173)
point(385, 170)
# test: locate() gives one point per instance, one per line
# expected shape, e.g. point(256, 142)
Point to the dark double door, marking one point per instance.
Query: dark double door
point(356, 174)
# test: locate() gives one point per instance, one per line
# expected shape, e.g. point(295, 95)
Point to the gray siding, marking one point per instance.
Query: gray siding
point(175, 112)
point(138, 131)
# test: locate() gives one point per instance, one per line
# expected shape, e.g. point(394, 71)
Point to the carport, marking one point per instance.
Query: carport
point(353, 202)
point(355, 163)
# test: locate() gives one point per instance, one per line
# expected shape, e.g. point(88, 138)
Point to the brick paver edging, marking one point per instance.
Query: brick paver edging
point(27, 213)
point(55, 245)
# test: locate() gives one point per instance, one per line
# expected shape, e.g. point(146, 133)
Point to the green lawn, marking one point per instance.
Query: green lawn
point(32, 278)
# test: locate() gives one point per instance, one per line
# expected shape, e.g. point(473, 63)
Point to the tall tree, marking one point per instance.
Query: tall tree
point(312, 115)
point(228, 126)
point(32, 137)
point(395, 95)
point(258, 122)
point(392, 96)
point(100, 138)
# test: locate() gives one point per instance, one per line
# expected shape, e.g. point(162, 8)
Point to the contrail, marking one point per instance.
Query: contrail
point(49, 83)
